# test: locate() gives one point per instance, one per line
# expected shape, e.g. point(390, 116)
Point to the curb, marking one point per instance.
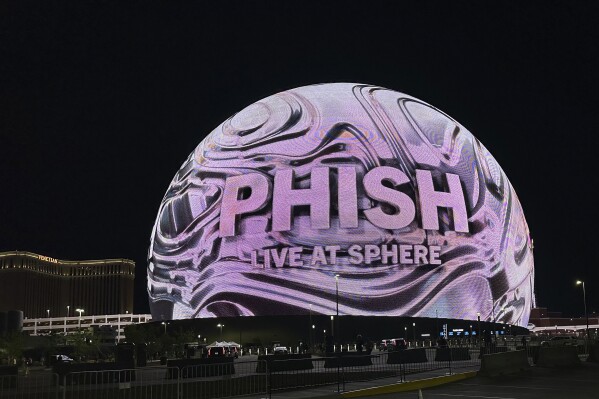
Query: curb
point(408, 386)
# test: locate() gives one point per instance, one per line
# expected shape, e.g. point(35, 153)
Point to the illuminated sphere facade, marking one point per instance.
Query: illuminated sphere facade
point(345, 188)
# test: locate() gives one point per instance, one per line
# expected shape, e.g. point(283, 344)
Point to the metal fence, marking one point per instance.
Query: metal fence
point(344, 368)
point(240, 378)
point(128, 383)
point(29, 386)
point(224, 380)
point(219, 380)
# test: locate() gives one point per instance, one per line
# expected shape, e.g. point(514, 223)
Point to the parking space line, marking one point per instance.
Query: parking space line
point(506, 386)
point(470, 396)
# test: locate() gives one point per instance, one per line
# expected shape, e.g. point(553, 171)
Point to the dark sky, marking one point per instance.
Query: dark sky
point(100, 103)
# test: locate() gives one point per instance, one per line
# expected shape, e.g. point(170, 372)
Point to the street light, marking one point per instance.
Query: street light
point(332, 326)
point(48, 312)
point(68, 308)
point(414, 332)
point(65, 320)
point(478, 333)
point(584, 296)
point(221, 330)
point(311, 331)
point(436, 323)
point(80, 311)
point(493, 315)
point(164, 323)
point(337, 301)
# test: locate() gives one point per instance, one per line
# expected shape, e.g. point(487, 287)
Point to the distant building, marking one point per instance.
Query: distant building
point(543, 321)
point(44, 287)
point(67, 325)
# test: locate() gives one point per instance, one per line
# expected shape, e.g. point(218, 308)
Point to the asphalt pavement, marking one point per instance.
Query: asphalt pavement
point(572, 383)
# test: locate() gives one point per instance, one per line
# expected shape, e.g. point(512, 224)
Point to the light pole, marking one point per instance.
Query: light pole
point(478, 333)
point(310, 343)
point(80, 311)
point(470, 336)
point(337, 300)
point(493, 316)
point(312, 337)
point(414, 332)
point(68, 308)
point(164, 323)
point(332, 327)
point(221, 330)
point(65, 320)
point(48, 312)
point(436, 324)
point(584, 296)
point(324, 336)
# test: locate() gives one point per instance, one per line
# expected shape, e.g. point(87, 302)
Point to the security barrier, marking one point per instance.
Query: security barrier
point(452, 354)
point(593, 353)
point(488, 350)
point(562, 356)
point(346, 359)
point(504, 363)
point(278, 362)
point(407, 356)
point(194, 368)
point(245, 381)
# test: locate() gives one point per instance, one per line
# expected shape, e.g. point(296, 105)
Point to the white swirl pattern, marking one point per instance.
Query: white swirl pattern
point(193, 272)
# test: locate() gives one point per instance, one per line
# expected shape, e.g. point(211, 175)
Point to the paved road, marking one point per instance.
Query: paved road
point(573, 383)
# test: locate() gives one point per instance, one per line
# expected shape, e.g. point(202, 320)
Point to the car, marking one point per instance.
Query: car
point(385, 345)
point(397, 344)
point(232, 351)
point(62, 359)
point(216, 351)
point(560, 341)
point(280, 350)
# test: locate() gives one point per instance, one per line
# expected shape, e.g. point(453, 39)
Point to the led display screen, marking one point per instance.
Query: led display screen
point(343, 193)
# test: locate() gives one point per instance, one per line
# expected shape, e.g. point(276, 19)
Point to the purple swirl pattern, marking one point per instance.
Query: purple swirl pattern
point(199, 274)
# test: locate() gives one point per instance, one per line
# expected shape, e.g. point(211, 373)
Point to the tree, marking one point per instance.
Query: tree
point(86, 344)
point(13, 344)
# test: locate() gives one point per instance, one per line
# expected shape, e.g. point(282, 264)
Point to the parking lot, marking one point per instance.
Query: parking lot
point(545, 383)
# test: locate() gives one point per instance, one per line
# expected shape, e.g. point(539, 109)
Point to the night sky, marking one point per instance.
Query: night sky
point(100, 104)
